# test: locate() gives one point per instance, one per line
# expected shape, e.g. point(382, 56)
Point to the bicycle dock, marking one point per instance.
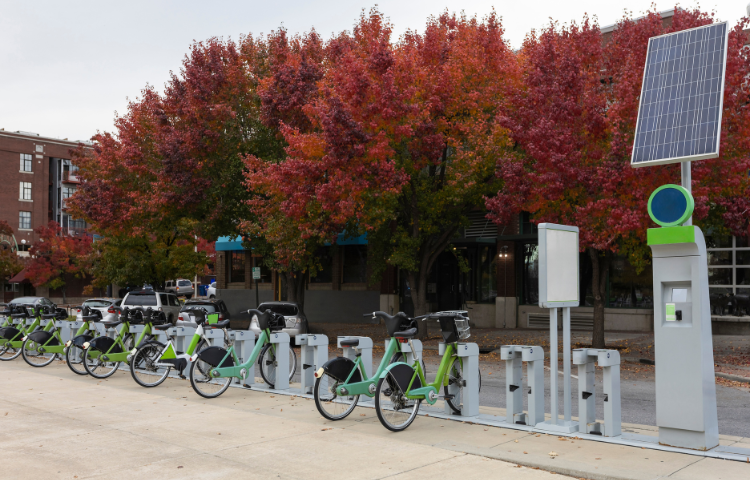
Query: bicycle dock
point(313, 354)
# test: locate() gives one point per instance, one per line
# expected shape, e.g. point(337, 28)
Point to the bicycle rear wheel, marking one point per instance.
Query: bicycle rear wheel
point(144, 368)
point(98, 368)
point(328, 403)
point(74, 359)
point(31, 354)
point(395, 411)
point(202, 382)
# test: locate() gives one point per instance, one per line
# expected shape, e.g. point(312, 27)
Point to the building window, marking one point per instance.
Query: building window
point(25, 191)
point(24, 220)
point(68, 192)
point(530, 274)
point(25, 162)
point(355, 264)
point(325, 272)
point(628, 289)
point(237, 272)
point(728, 272)
point(479, 284)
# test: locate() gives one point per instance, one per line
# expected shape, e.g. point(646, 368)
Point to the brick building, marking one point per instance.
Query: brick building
point(38, 179)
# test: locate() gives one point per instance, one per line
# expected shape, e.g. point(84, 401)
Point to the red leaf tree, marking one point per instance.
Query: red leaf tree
point(56, 257)
point(10, 263)
point(573, 123)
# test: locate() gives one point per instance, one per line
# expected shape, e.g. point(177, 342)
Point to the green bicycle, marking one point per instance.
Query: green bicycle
point(42, 347)
point(402, 388)
point(153, 360)
point(12, 334)
point(214, 368)
point(103, 355)
point(74, 352)
point(340, 381)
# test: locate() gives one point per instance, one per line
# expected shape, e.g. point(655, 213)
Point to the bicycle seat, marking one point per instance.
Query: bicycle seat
point(350, 342)
point(221, 324)
point(163, 327)
point(410, 333)
point(19, 315)
point(111, 324)
point(49, 315)
point(91, 317)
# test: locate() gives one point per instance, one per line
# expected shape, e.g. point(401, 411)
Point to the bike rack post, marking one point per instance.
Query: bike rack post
point(280, 371)
point(180, 334)
point(313, 354)
point(514, 356)
point(244, 342)
point(215, 336)
point(67, 329)
point(406, 349)
point(469, 352)
point(136, 331)
point(513, 391)
point(534, 357)
point(364, 348)
point(609, 360)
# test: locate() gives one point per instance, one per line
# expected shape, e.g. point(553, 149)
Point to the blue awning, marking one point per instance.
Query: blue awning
point(229, 244)
point(345, 240)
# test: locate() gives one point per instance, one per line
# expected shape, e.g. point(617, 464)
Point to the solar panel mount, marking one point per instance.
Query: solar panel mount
point(679, 114)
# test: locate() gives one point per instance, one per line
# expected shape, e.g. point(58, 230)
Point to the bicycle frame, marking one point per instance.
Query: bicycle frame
point(17, 340)
point(49, 347)
point(363, 387)
point(239, 370)
point(428, 391)
point(122, 356)
point(170, 357)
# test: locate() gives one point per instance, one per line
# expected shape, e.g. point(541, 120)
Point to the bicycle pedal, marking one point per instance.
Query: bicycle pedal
point(183, 377)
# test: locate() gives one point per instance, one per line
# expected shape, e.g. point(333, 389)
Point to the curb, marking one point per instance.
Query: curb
point(736, 378)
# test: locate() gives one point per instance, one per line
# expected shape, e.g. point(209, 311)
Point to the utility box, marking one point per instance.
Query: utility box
point(685, 386)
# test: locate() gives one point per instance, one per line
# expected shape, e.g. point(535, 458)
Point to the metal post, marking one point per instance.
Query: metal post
point(244, 342)
point(313, 355)
point(281, 372)
point(687, 183)
point(364, 348)
point(553, 393)
point(566, 363)
point(586, 391)
point(513, 374)
point(610, 360)
point(534, 358)
point(470, 354)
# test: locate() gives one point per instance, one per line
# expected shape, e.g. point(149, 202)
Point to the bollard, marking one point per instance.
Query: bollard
point(313, 354)
point(469, 353)
point(609, 360)
point(280, 370)
point(215, 336)
point(364, 349)
point(406, 350)
point(514, 355)
point(244, 342)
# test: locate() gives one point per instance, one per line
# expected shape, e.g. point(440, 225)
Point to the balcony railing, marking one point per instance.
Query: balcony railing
point(71, 177)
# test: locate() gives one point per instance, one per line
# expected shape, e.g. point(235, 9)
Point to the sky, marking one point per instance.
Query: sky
point(66, 68)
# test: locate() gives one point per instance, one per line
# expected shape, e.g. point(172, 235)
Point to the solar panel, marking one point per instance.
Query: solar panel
point(679, 116)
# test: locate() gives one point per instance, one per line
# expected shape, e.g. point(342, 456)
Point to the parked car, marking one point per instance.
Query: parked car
point(211, 290)
point(44, 301)
point(211, 306)
point(180, 287)
point(104, 305)
point(296, 321)
point(162, 301)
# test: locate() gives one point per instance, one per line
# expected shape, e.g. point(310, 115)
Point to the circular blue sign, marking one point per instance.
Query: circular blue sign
point(670, 205)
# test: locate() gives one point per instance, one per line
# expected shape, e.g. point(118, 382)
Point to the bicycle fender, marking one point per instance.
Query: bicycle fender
point(214, 355)
point(103, 344)
point(340, 368)
point(41, 337)
point(403, 374)
point(9, 333)
point(80, 340)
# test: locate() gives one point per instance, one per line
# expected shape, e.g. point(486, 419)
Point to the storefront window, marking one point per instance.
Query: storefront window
point(325, 274)
point(728, 273)
point(530, 276)
point(627, 288)
point(237, 267)
point(355, 264)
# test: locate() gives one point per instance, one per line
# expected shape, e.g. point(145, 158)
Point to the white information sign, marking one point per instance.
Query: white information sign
point(256, 273)
point(558, 266)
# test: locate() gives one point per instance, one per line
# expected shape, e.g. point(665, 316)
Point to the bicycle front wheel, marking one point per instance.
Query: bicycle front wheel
point(331, 405)
point(8, 352)
point(144, 368)
point(455, 387)
point(268, 364)
point(202, 382)
point(395, 411)
point(30, 351)
point(74, 359)
point(98, 368)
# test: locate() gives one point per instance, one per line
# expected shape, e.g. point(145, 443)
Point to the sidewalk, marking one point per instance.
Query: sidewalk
point(58, 425)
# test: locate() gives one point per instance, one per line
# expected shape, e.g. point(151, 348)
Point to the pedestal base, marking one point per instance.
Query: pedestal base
point(561, 427)
point(675, 437)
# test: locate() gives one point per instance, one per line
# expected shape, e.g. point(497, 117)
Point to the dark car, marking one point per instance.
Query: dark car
point(211, 306)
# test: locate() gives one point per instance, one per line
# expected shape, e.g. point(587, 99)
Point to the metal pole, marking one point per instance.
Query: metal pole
point(195, 283)
point(687, 183)
point(257, 301)
point(566, 362)
point(553, 365)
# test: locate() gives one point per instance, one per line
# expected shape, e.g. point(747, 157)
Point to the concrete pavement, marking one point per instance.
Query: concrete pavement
point(54, 424)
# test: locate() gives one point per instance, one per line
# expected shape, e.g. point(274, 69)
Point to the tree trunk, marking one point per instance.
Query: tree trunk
point(600, 266)
point(295, 288)
point(418, 283)
point(63, 294)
